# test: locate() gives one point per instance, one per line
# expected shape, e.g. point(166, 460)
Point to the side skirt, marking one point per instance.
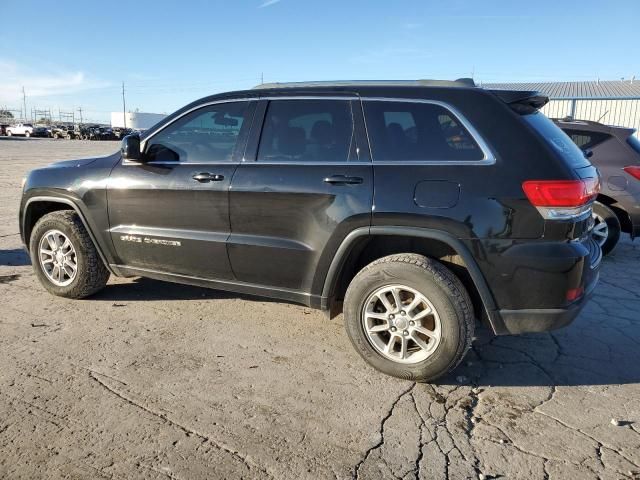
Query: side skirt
point(287, 295)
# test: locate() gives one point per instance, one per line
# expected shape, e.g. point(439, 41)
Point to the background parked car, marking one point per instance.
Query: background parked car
point(23, 129)
point(40, 132)
point(3, 128)
point(616, 153)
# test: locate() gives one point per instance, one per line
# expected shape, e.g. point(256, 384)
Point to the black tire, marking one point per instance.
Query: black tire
point(602, 213)
point(440, 286)
point(91, 276)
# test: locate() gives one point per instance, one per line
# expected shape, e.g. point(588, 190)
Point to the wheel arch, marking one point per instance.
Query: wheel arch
point(433, 243)
point(37, 207)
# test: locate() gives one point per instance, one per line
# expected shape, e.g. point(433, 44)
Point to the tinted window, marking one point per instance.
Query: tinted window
point(206, 135)
point(307, 131)
point(635, 144)
point(556, 138)
point(586, 140)
point(417, 131)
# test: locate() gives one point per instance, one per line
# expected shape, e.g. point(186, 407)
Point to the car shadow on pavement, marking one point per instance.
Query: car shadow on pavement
point(14, 257)
point(569, 357)
point(146, 289)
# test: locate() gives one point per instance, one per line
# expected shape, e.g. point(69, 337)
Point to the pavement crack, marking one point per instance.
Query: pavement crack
point(380, 443)
point(599, 444)
point(187, 430)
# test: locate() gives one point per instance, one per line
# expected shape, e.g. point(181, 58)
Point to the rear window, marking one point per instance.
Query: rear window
point(587, 140)
point(634, 143)
point(557, 139)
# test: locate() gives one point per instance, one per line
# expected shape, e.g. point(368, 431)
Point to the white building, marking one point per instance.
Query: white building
point(135, 120)
point(608, 102)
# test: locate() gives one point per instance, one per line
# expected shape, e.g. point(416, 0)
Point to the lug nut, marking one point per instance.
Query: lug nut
point(412, 323)
point(402, 312)
point(404, 332)
point(393, 329)
point(392, 316)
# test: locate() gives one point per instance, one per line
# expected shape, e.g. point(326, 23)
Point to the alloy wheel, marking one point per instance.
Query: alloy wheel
point(58, 258)
point(401, 324)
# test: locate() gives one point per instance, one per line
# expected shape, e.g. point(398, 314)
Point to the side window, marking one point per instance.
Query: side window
point(206, 135)
point(586, 140)
point(307, 131)
point(412, 131)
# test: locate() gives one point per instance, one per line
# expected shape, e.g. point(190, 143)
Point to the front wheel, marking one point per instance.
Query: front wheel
point(606, 230)
point(409, 316)
point(64, 257)
point(27, 134)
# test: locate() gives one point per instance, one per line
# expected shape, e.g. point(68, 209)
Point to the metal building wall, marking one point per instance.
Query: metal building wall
point(620, 112)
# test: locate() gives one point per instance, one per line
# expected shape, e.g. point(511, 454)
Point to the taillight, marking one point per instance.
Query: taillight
point(562, 199)
point(633, 170)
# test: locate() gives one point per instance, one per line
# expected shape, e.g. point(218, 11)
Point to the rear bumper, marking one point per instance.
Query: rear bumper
point(543, 320)
point(533, 281)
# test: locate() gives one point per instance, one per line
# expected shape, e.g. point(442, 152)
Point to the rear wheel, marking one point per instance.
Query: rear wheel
point(27, 134)
point(9, 133)
point(409, 316)
point(606, 231)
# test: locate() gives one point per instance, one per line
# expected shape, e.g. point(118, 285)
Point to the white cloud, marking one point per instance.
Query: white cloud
point(41, 82)
point(268, 3)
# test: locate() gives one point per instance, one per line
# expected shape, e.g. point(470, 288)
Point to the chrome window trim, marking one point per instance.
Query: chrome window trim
point(488, 157)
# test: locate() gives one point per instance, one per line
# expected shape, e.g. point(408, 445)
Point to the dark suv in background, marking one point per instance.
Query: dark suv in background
point(616, 153)
point(415, 206)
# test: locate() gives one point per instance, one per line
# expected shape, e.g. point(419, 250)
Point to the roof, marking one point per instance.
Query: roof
point(460, 82)
point(618, 89)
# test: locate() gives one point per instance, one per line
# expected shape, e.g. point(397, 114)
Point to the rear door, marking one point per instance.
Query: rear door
point(170, 213)
point(304, 185)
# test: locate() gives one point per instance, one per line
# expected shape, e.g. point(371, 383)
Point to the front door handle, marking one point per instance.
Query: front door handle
point(343, 180)
point(208, 177)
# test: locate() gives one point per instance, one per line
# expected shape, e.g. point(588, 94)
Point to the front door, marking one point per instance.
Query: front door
point(303, 186)
point(170, 212)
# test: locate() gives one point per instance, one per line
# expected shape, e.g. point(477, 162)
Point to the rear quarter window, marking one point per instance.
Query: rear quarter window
point(557, 139)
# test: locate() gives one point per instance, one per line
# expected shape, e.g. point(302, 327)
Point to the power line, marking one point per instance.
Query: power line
point(124, 107)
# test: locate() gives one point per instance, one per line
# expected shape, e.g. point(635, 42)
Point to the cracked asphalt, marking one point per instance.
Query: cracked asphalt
point(155, 380)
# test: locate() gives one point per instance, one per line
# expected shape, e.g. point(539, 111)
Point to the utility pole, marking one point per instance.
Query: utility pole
point(24, 103)
point(261, 78)
point(80, 110)
point(124, 107)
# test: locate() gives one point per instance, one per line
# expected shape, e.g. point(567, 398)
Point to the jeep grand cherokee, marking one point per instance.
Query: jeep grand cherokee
point(416, 206)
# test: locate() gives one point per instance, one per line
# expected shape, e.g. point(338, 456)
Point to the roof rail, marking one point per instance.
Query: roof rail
point(460, 82)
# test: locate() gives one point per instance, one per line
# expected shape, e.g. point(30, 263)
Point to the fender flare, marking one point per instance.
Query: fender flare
point(460, 248)
point(76, 208)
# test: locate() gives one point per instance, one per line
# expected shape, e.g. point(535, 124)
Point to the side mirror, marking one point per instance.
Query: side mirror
point(131, 148)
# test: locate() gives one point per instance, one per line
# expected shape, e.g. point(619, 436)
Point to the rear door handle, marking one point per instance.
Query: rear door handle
point(343, 180)
point(208, 177)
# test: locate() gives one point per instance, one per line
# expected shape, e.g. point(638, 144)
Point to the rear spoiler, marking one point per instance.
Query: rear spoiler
point(522, 101)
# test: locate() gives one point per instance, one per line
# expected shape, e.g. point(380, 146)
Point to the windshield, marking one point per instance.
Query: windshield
point(557, 139)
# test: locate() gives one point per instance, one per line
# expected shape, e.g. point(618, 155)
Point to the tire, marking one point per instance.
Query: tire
point(27, 134)
point(606, 231)
point(91, 274)
point(9, 133)
point(442, 291)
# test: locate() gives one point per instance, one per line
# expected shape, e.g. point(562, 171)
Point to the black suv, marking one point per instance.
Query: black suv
point(616, 153)
point(415, 206)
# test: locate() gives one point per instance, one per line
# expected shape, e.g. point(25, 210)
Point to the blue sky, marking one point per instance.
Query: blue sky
point(169, 53)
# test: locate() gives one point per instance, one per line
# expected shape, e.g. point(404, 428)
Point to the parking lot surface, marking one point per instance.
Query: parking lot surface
point(156, 380)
